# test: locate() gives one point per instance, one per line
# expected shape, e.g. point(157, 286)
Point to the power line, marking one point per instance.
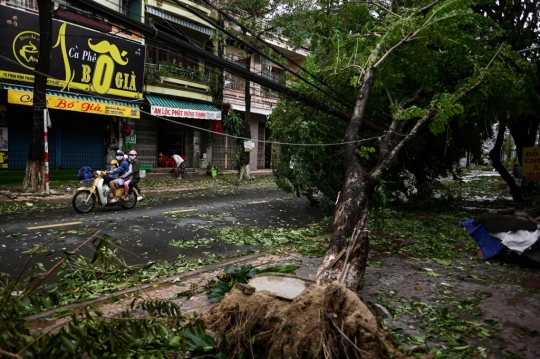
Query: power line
point(529, 49)
point(93, 94)
point(167, 40)
point(244, 43)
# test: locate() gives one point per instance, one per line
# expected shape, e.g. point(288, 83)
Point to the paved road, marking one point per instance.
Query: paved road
point(145, 232)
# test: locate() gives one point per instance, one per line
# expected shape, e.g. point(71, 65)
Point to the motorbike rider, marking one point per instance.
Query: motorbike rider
point(133, 182)
point(120, 171)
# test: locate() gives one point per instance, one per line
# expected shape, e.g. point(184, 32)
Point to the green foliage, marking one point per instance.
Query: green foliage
point(304, 170)
point(162, 333)
point(437, 64)
point(365, 151)
point(445, 324)
point(425, 230)
point(196, 339)
point(448, 109)
point(238, 161)
point(409, 113)
point(170, 69)
point(233, 124)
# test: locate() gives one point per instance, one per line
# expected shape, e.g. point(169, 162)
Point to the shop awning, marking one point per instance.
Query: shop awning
point(180, 21)
point(261, 111)
point(171, 107)
point(58, 100)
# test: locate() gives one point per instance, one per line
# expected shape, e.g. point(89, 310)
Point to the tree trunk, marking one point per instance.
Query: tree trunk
point(350, 218)
point(495, 155)
point(350, 222)
point(524, 133)
point(34, 178)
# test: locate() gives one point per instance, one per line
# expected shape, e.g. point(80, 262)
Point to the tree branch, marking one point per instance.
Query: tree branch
point(383, 166)
point(380, 6)
point(426, 8)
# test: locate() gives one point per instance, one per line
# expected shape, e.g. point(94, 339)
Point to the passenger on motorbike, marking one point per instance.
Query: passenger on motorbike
point(120, 171)
point(133, 182)
point(112, 166)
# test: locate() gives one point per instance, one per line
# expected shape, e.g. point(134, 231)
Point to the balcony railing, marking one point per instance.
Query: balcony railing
point(168, 70)
point(234, 92)
point(27, 4)
point(272, 76)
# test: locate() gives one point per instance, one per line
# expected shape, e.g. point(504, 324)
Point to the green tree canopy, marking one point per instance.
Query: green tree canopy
point(421, 80)
point(446, 54)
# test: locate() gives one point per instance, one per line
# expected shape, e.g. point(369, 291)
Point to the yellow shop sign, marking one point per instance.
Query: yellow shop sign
point(81, 59)
point(76, 103)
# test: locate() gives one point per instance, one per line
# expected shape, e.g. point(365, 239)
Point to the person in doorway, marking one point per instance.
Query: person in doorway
point(120, 171)
point(110, 154)
point(133, 182)
point(180, 165)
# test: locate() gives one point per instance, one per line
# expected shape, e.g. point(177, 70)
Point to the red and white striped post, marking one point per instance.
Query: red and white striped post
point(46, 121)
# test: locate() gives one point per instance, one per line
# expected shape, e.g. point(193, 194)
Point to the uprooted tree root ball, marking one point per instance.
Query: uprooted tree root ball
point(327, 321)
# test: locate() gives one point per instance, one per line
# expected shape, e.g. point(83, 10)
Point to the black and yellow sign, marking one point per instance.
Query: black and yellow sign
point(4, 163)
point(75, 104)
point(82, 59)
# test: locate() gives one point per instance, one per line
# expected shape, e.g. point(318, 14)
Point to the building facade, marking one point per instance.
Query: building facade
point(95, 83)
point(140, 95)
point(262, 100)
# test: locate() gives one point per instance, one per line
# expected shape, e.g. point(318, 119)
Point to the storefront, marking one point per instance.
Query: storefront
point(181, 125)
point(94, 88)
point(76, 137)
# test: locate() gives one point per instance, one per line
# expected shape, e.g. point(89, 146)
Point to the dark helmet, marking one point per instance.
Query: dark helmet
point(119, 153)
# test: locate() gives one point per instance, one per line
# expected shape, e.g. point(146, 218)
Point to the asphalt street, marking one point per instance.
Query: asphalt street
point(145, 232)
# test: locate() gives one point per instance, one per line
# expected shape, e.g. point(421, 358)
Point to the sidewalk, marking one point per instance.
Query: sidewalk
point(7, 195)
point(474, 293)
point(168, 288)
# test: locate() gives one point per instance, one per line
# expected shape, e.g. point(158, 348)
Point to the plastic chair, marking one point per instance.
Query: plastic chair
point(165, 161)
point(168, 162)
point(161, 161)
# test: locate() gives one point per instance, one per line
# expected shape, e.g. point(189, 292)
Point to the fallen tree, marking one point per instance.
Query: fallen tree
point(412, 71)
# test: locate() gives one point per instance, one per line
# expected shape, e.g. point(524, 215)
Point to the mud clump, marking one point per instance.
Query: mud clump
point(324, 321)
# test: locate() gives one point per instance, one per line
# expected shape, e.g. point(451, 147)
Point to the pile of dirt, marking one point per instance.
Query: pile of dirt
point(324, 321)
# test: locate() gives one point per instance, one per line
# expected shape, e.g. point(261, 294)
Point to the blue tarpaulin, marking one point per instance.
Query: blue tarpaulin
point(490, 246)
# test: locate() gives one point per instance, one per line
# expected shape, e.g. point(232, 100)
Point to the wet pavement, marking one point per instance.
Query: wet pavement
point(149, 231)
point(500, 296)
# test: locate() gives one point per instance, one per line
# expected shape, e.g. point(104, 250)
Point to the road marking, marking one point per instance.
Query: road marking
point(181, 210)
point(55, 225)
point(258, 202)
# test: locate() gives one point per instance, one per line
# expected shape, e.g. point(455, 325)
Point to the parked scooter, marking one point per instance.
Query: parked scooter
point(95, 191)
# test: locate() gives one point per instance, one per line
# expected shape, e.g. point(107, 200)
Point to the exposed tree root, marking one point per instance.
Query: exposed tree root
point(325, 321)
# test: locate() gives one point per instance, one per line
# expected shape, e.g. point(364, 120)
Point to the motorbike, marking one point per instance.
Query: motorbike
point(95, 191)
